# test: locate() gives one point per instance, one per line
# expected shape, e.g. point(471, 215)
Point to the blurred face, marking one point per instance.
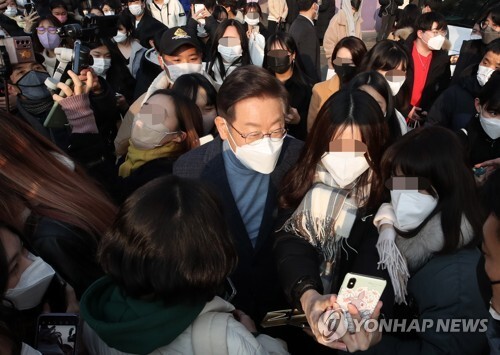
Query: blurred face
point(164, 105)
point(16, 256)
point(344, 53)
point(207, 111)
point(101, 52)
point(398, 68)
point(278, 45)
point(486, 113)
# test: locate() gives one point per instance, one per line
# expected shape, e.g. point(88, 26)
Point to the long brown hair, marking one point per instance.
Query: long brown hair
point(33, 176)
point(343, 109)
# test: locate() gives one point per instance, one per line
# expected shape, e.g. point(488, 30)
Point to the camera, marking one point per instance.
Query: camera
point(14, 50)
point(91, 29)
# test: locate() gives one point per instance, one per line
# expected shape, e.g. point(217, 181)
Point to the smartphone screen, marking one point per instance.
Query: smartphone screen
point(198, 7)
point(57, 334)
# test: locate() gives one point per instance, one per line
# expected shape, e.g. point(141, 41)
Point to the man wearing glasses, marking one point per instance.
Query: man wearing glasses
point(428, 74)
point(245, 165)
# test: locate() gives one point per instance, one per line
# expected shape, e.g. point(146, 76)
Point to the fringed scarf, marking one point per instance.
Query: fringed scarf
point(401, 255)
point(325, 218)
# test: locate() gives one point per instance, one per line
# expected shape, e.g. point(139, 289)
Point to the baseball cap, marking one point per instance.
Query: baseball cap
point(176, 37)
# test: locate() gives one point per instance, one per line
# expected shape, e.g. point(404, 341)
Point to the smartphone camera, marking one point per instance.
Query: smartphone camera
point(351, 282)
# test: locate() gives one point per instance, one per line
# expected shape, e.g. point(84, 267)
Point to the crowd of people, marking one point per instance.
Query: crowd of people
point(206, 171)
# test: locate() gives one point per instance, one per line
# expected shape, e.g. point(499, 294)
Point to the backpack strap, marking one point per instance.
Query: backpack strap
point(209, 334)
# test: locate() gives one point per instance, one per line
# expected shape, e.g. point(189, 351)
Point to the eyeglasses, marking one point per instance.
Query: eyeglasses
point(42, 30)
point(254, 137)
point(485, 24)
point(439, 32)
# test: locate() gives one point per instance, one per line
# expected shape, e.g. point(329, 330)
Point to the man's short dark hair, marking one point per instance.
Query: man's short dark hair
point(493, 46)
point(169, 242)
point(434, 5)
point(424, 22)
point(305, 5)
point(247, 82)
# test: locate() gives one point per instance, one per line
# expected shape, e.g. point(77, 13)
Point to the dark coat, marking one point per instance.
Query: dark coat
point(11, 27)
point(147, 72)
point(144, 174)
point(438, 77)
point(445, 288)
point(479, 146)
point(293, 11)
point(297, 260)
point(304, 34)
point(471, 53)
point(255, 277)
point(389, 7)
point(68, 249)
point(300, 96)
point(455, 107)
point(326, 12)
point(147, 28)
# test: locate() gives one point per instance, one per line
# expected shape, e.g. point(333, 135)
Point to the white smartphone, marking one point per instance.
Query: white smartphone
point(199, 7)
point(362, 291)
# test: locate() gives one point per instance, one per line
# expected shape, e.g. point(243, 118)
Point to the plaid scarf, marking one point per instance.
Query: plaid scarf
point(325, 218)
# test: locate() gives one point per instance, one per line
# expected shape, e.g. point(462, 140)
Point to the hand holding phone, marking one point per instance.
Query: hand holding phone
point(357, 301)
point(57, 333)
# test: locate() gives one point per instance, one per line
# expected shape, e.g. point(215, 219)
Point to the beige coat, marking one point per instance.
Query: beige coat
point(278, 10)
point(337, 29)
point(320, 93)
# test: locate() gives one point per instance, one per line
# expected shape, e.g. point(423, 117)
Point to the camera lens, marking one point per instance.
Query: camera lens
point(351, 283)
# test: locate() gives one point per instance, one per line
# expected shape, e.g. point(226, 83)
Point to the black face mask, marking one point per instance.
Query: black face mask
point(278, 61)
point(345, 72)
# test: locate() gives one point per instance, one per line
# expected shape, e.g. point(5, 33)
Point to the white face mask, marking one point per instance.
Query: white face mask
point(411, 208)
point(484, 74)
point(344, 167)
point(21, 3)
point(136, 10)
point(101, 65)
point(436, 43)
point(261, 157)
point(474, 37)
point(230, 54)
point(10, 11)
point(109, 13)
point(395, 86)
point(176, 70)
point(491, 126)
point(120, 37)
point(251, 21)
point(32, 285)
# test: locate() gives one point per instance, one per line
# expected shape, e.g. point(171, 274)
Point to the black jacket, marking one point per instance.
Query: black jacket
point(438, 77)
point(455, 107)
point(293, 11)
point(389, 7)
point(479, 146)
point(298, 262)
point(147, 72)
point(471, 53)
point(11, 27)
point(255, 277)
point(300, 96)
point(326, 12)
point(68, 249)
point(304, 34)
point(146, 29)
point(144, 174)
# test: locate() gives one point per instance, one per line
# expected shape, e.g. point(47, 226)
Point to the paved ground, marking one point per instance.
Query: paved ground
point(368, 37)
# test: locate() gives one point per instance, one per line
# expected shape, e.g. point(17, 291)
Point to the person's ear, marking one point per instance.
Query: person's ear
point(13, 90)
point(477, 105)
point(221, 125)
point(181, 137)
point(420, 33)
